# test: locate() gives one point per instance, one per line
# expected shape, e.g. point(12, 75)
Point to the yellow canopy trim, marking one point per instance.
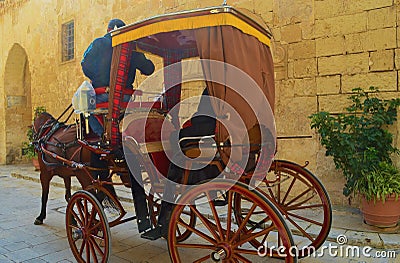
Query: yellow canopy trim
point(219, 19)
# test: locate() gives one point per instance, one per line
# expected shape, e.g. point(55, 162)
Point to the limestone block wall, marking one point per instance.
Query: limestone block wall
point(322, 49)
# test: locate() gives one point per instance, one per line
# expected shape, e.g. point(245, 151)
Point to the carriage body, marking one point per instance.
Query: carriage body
point(226, 51)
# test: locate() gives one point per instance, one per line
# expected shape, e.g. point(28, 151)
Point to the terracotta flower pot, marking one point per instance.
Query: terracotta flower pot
point(381, 214)
point(35, 163)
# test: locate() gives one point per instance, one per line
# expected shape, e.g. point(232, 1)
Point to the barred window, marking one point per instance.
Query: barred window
point(68, 41)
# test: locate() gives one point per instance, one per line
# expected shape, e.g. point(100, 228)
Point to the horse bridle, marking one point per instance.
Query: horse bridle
point(44, 132)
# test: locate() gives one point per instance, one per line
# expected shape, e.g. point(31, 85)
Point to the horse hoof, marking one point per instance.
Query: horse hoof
point(38, 222)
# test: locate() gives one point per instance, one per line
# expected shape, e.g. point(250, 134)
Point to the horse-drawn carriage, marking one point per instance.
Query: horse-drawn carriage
point(253, 206)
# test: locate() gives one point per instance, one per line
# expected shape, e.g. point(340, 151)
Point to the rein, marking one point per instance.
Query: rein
point(65, 111)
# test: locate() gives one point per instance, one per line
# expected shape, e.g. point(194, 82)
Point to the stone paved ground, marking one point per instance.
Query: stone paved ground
point(22, 241)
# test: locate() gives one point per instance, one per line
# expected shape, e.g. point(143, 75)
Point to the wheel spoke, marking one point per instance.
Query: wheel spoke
point(190, 245)
point(80, 210)
point(306, 219)
point(76, 217)
point(101, 238)
point(85, 207)
point(278, 196)
point(91, 249)
point(91, 217)
point(301, 229)
point(244, 222)
point(259, 224)
point(73, 227)
point(288, 191)
point(205, 221)
point(229, 215)
point(98, 224)
point(200, 234)
point(87, 251)
point(252, 236)
point(96, 246)
point(215, 215)
point(82, 247)
point(302, 207)
point(299, 196)
point(298, 204)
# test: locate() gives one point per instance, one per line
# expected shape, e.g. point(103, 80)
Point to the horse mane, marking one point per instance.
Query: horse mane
point(46, 116)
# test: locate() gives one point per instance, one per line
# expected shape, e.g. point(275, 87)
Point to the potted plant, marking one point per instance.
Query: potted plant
point(362, 146)
point(28, 149)
point(380, 189)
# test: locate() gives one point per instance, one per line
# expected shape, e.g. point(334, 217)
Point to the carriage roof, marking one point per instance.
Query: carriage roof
point(166, 31)
point(235, 42)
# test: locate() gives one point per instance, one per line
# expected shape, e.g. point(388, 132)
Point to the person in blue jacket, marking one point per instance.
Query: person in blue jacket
point(96, 65)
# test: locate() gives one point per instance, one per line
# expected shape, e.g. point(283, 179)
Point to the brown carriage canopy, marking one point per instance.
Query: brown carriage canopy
point(236, 59)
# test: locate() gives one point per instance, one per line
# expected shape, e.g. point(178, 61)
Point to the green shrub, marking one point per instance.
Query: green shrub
point(358, 139)
point(28, 149)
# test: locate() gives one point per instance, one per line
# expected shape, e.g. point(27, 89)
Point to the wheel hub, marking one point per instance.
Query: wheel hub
point(222, 252)
point(218, 255)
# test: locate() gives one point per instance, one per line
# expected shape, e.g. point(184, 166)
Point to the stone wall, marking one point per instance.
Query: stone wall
point(322, 49)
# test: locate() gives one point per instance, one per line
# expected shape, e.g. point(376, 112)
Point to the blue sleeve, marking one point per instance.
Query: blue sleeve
point(145, 65)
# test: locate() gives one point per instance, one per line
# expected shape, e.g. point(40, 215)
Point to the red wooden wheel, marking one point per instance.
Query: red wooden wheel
point(216, 237)
point(303, 201)
point(87, 228)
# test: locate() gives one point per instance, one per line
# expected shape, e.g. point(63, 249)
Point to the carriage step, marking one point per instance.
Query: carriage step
point(154, 234)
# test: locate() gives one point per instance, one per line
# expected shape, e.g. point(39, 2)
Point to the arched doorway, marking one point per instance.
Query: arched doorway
point(18, 107)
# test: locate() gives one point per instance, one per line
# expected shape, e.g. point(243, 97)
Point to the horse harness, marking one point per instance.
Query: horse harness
point(44, 135)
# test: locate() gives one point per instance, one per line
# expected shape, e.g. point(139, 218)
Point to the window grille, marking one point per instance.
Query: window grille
point(68, 41)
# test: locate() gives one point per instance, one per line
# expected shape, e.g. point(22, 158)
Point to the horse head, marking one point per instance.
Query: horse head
point(42, 124)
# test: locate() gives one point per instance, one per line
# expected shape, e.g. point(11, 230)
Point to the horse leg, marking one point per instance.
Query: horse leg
point(67, 183)
point(45, 178)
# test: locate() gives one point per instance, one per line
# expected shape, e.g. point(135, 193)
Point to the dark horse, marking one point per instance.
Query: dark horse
point(60, 139)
